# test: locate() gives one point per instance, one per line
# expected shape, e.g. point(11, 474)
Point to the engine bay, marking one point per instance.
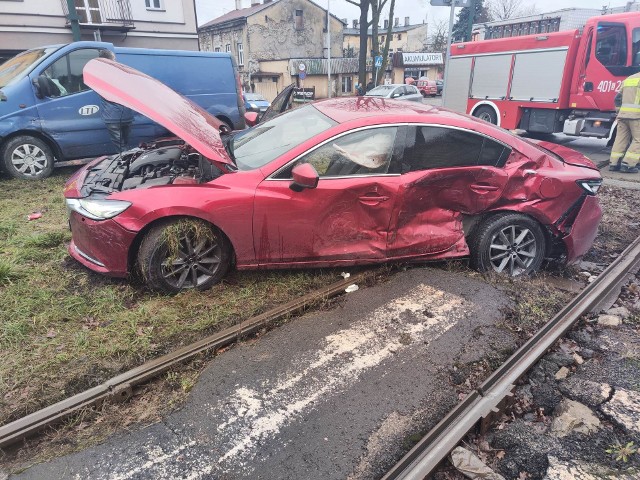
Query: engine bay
point(162, 162)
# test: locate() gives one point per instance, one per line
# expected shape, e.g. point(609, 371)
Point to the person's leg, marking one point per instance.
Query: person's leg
point(114, 134)
point(125, 132)
point(623, 138)
point(631, 158)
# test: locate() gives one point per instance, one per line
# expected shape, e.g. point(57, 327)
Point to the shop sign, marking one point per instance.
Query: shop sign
point(422, 58)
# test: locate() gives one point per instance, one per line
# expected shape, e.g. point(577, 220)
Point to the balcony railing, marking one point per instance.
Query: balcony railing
point(101, 13)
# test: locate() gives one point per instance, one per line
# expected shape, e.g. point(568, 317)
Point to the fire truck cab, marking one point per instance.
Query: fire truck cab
point(548, 82)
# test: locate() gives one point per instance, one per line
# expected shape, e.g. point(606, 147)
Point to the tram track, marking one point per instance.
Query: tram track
point(120, 388)
point(423, 459)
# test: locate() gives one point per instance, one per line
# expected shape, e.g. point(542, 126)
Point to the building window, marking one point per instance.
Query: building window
point(154, 4)
point(399, 36)
point(240, 55)
point(227, 48)
point(347, 84)
point(298, 20)
point(88, 11)
point(217, 49)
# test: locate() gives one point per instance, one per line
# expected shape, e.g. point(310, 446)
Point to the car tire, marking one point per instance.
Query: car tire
point(182, 255)
point(487, 114)
point(27, 158)
point(508, 243)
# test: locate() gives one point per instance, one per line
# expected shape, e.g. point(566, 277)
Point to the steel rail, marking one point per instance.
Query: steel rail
point(119, 388)
point(429, 452)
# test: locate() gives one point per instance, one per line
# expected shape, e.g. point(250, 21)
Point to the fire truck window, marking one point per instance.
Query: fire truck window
point(635, 56)
point(611, 44)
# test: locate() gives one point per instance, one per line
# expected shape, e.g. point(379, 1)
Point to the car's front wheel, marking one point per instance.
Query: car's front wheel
point(27, 158)
point(508, 243)
point(184, 254)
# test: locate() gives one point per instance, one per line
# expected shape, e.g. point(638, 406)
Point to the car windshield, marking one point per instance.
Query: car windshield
point(13, 68)
point(381, 91)
point(253, 149)
point(254, 97)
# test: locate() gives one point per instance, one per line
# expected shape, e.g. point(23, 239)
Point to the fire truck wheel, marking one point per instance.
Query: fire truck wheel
point(487, 114)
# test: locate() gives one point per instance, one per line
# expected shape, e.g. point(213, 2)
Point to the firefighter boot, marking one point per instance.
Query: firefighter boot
point(623, 139)
point(632, 156)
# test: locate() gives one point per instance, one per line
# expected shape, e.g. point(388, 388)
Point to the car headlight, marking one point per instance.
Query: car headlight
point(97, 209)
point(590, 186)
point(253, 105)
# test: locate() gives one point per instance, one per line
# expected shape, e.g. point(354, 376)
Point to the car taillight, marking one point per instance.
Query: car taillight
point(590, 186)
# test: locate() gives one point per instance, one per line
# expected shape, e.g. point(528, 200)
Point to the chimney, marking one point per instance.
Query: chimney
point(386, 24)
point(355, 24)
point(396, 22)
point(406, 21)
point(238, 4)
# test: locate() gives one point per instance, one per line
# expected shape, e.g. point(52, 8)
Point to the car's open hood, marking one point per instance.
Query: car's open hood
point(131, 88)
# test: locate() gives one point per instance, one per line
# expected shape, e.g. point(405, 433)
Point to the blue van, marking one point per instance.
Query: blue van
point(47, 113)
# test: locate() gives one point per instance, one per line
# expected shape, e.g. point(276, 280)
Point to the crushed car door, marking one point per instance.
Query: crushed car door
point(446, 172)
point(344, 218)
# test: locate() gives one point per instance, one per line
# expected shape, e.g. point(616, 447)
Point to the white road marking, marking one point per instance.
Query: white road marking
point(253, 417)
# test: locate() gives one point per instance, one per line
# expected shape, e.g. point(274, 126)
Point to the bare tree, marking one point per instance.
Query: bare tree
point(376, 12)
point(505, 9)
point(363, 5)
point(437, 38)
point(387, 42)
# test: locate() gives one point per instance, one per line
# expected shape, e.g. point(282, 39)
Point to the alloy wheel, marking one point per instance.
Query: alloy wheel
point(513, 249)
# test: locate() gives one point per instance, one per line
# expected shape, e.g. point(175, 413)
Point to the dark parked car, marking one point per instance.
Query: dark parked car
point(439, 86)
point(338, 182)
point(254, 102)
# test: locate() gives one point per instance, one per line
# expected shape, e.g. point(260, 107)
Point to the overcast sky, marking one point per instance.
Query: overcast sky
point(417, 10)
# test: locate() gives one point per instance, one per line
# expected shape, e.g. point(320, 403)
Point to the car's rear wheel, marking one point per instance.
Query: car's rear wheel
point(27, 158)
point(510, 243)
point(184, 254)
point(487, 114)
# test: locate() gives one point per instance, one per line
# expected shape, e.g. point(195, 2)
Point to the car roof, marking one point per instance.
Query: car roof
point(344, 109)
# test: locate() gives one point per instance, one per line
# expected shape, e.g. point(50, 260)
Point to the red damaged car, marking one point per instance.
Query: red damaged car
point(337, 182)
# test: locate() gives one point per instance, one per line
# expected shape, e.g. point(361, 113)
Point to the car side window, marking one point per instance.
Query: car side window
point(367, 152)
point(398, 92)
point(65, 74)
point(441, 147)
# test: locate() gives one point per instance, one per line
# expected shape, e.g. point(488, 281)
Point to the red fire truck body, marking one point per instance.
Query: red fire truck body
point(548, 82)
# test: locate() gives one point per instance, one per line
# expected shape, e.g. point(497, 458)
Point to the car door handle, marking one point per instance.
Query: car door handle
point(373, 199)
point(483, 188)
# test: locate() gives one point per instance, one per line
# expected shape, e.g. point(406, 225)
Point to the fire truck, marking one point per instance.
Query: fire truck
point(549, 82)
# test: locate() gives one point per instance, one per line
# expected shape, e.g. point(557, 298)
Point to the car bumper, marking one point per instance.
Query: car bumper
point(100, 246)
point(584, 229)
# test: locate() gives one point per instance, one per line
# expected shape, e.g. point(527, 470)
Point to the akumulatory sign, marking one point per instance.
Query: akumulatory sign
point(422, 58)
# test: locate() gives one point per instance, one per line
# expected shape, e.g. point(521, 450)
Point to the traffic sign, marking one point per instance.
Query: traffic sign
point(302, 67)
point(378, 61)
point(302, 75)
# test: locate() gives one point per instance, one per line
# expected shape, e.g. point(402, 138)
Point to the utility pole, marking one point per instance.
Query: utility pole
point(329, 47)
point(470, 17)
point(73, 19)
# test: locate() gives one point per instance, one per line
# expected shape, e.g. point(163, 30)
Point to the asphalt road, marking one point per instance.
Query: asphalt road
point(329, 395)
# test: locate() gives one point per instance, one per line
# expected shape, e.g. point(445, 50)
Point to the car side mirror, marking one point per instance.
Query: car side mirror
point(304, 176)
point(251, 118)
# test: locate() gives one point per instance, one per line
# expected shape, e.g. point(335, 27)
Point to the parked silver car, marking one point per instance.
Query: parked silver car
point(397, 91)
